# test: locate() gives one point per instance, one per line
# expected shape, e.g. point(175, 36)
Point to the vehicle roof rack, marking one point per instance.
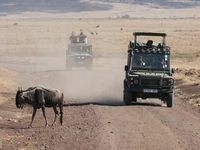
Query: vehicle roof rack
point(151, 50)
point(149, 34)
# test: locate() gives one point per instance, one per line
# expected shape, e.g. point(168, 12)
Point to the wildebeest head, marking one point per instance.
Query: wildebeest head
point(19, 98)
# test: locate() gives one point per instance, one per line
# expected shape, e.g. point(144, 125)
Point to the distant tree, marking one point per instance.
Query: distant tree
point(126, 16)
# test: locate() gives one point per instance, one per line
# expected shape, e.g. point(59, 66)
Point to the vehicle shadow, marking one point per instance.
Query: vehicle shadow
point(95, 103)
point(113, 103)
point(147, 104)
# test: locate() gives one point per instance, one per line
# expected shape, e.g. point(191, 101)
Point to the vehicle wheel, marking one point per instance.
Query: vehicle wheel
point(124, 94)
point(89, 67)
point(134, 98)
point(127, 97)
point(68, 67)
point(170, 99)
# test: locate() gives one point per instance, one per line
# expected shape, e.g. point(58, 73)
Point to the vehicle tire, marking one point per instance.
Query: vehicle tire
point(134, 98)
point(170, 99)
point(68, 67)
point(127, 97)
point(124, 94)
point(89, 68)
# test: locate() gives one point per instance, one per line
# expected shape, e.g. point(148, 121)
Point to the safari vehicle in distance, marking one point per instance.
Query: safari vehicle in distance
point(79, 53)
point(148, 73)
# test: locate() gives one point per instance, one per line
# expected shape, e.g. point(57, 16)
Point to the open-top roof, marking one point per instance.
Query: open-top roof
point(78, 36)
point(79, 44)
point(148, 34)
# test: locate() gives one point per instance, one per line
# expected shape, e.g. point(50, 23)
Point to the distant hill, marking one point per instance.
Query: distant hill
point(166, 4)
point(63, 6)
point(52, 6)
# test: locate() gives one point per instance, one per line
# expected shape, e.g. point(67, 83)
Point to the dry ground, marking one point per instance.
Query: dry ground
point(33, 53)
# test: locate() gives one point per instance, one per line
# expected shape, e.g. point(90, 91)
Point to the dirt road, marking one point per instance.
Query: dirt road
point(94, 114)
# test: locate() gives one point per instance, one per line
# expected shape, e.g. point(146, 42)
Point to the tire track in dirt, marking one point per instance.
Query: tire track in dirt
point(183, 121)
point(147, 127)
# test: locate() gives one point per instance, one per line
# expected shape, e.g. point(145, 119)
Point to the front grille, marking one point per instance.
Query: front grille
point(150, 82)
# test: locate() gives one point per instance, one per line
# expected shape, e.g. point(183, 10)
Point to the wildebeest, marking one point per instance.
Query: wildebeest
point(14, 24)
point(39, 97)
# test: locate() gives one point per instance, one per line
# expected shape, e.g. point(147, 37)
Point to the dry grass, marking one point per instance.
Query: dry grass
point(39, 38)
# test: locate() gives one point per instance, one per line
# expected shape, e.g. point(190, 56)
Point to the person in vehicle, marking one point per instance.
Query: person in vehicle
point(73, 38)
point(164, 63)
point(149, 43)
point(158, 63)
point(139, 61)
point(82, 38)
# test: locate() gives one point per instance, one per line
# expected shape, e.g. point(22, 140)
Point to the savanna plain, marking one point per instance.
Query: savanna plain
point(33, 53)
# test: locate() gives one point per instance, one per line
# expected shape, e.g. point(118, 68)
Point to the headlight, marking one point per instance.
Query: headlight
point(71, 57)
point(165, 82)
point(135, 81)
point(171, 81)
point(168, 82)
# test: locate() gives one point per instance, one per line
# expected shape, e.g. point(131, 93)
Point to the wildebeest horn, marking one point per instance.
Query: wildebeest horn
point(19, 88)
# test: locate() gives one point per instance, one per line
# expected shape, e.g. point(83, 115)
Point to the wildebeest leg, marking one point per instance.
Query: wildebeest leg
point(44, 115)
point(56, 113)
point(33, 116)
point(61, 114)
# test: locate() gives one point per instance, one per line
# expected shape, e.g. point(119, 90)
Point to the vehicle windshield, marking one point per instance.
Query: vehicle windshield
point(80, 49)
point(150, 61)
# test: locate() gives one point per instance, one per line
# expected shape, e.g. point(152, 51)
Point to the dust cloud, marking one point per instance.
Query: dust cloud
point(47, 68)
point(103, 85)
point(95, 86)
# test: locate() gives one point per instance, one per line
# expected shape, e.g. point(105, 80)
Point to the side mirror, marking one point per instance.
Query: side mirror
point(173, 70)
point(126, 68)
